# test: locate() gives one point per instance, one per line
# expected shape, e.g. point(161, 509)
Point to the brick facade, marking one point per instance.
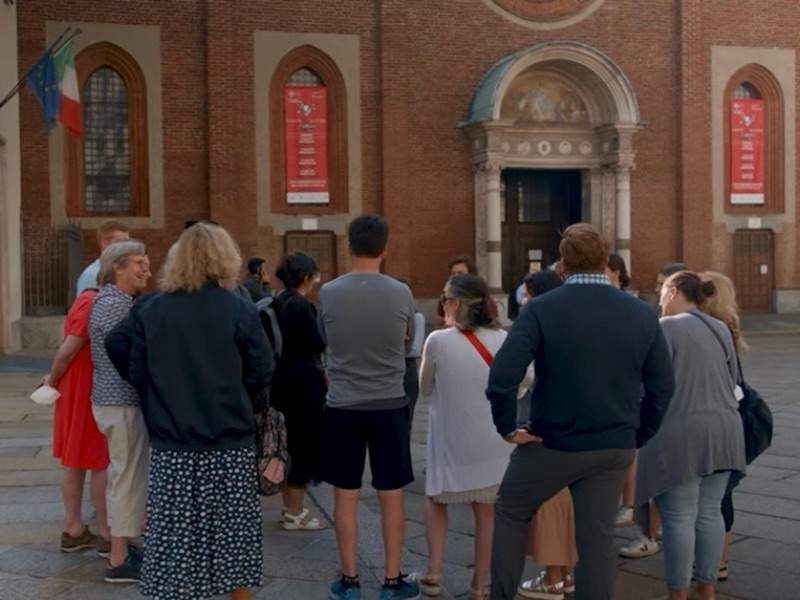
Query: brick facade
point(419, 67)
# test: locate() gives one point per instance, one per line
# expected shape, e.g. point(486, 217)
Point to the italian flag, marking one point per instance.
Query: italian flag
point(69, 108)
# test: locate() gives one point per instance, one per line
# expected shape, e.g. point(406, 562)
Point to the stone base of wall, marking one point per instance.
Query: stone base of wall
point(41, 333)
point(787, 301)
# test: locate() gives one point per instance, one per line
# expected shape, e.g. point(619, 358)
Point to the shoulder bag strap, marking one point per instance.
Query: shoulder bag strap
point(478, 345)
point(722, 345)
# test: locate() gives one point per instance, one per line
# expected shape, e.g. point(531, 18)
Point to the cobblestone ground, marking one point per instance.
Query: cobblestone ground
point(764, 557)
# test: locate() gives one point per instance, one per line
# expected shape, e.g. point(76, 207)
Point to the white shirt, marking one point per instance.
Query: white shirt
point(88, 279)
point(464, 450)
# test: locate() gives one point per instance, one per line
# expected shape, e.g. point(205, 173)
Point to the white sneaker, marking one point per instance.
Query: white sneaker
point(624, 516)
point(538, 589)
point(644, 546)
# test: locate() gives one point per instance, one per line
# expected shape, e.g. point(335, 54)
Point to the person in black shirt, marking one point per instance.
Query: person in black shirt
point(298, 389)
point(257, 282)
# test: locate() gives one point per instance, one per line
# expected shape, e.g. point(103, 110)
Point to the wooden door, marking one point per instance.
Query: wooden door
point(538, 206)
point(320, 245)
point(754, 260)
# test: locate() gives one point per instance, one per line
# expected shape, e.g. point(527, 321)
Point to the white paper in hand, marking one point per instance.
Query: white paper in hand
point(45, 395)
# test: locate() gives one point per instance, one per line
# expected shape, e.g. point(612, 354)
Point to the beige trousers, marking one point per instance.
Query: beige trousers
point(129, 451)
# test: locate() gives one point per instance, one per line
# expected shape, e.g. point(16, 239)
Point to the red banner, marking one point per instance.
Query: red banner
point(747, 151)
point(306, 122)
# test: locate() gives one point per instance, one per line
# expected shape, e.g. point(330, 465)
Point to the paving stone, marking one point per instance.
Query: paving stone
point(37, 563)
point(18, 451)
point(296, 590)
point(13, 587)
point(100, 591)
point(772, 528)
point(459, 549)
point(766, 553)
point(759, 582)
point(773, 474)
point(766, 505)
point(301, 569)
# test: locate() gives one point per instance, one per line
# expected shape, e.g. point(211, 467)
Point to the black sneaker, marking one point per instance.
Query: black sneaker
point(136, 554)
point(127, 572)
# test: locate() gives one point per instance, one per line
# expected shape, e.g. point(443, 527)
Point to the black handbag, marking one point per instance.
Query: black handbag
point(756, 415)
point(756, 419)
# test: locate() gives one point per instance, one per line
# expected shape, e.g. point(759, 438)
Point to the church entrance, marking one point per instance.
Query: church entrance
point(551, 132)
point(538, 205)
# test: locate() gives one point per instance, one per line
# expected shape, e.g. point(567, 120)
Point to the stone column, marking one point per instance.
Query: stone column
point(623, 213)
point(10, 188)
point(494, 244)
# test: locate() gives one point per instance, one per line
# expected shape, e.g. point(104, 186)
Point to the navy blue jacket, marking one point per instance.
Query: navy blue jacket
point(595, 350)
point(195, 359)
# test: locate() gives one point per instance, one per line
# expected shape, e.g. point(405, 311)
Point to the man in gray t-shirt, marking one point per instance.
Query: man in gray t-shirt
point(367, 319)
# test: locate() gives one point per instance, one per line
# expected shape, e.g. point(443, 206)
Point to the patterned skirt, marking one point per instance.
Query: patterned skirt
point(203, 534)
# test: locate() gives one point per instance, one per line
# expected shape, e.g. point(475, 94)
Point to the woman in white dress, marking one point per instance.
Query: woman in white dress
point(466, 459)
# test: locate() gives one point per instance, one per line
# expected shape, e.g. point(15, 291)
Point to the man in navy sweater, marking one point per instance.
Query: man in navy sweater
point(603, 383)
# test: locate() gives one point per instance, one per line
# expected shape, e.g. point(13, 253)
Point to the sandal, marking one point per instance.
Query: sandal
point(301, 522)
point(723, 572)
point(429, 585)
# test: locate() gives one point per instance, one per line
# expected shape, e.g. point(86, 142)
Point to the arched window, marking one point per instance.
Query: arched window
point(106, 168)
point(753, 86)
point(308, 145)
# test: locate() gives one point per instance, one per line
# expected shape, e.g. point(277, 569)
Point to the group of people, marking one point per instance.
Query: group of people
point(536, 428)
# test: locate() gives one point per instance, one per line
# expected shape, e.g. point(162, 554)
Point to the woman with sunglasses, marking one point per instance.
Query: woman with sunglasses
point(466, 459)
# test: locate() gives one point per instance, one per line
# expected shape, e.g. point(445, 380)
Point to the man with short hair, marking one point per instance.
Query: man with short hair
point(108, 233)
point(257, 282)
point(462, 265)
point(594, 349)
point(367, 319)
point(667, 270)
point(124, 271)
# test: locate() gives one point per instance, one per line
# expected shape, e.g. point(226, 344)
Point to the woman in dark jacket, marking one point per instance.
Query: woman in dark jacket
point(299, 389)
point(196, 355)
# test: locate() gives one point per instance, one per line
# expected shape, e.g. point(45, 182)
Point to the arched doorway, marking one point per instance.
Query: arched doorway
point(551, 130)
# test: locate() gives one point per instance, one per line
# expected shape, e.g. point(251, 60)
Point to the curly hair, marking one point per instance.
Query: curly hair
point(204, 253)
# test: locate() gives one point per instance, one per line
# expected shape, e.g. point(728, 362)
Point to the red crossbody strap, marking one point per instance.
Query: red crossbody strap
point(478, 345)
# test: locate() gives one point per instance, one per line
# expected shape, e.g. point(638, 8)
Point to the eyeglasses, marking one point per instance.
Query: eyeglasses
point(444, 298)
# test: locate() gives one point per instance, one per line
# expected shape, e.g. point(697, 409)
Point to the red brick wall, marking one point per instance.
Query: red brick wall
point(184, 102)
point(419, 67)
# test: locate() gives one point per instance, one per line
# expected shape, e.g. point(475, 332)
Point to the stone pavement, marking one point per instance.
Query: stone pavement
point(764, 557)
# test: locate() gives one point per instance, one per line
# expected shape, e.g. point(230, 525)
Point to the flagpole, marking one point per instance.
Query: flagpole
point(21, 82)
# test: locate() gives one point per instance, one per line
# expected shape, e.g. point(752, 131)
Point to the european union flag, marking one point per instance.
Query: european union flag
point(44, 85)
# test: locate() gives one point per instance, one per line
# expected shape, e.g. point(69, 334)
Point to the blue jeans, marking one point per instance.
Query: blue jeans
point(693, 529)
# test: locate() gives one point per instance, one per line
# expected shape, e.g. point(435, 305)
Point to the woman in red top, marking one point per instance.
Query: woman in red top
point(76, 440)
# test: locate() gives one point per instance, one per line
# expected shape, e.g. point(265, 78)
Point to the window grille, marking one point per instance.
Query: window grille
point(106, 148)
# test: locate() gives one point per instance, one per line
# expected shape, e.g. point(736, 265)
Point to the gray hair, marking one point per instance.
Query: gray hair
point(117, 254)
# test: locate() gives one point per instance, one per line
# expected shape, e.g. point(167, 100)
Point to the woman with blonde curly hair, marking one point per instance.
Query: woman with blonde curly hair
point(197, 354)
point(723, 306)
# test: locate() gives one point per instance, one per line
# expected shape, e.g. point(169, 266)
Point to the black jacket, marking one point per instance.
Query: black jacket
point(195, 360)
point(595, 349)
point(299, 383)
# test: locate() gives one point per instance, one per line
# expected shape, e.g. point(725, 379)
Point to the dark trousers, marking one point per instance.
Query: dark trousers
point(534, 475)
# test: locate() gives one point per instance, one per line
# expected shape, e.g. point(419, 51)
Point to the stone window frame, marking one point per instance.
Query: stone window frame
point(89, 60)
point(309, 57)
point(769, 90)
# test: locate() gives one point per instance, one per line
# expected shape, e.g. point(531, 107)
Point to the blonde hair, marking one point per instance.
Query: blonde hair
point(722, 305)
point(116, 255)
point(203, 253)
